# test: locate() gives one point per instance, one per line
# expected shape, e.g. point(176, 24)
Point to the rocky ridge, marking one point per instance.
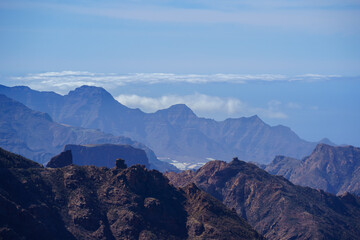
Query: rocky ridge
point(176, 132)
point(273, 205)
point(88, 202)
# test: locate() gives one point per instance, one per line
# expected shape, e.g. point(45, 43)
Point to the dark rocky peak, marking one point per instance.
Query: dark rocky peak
point(120, 163)
point(62, 160)
point(11, 160)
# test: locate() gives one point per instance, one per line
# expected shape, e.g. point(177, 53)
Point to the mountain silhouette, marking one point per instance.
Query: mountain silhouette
point(175, 132)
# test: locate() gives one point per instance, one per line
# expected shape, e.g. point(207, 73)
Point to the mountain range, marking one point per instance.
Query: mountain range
point(88, 202)
point(35, 135)
point(334, 169)
point(274, 206)
point(175, 133)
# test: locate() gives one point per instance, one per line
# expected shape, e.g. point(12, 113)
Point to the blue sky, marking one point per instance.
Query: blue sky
point(291, 62)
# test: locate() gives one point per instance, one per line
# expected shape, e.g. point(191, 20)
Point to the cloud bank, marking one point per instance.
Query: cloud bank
point(203, 105)
point(64, 81)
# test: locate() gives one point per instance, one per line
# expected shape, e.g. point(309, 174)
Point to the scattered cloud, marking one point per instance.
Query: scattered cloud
point(64, 81)
point(203, 105)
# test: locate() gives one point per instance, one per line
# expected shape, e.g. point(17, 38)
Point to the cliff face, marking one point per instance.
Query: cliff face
point(87, 202)
point(333, 169)
point(274, 206)
point(103, 155)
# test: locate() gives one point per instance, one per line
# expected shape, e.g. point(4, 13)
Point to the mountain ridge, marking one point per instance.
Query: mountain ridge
point(175, 132)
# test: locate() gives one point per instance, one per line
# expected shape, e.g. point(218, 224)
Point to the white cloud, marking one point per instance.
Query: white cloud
point(64, 81)
point(203, 105)
point(318, 16)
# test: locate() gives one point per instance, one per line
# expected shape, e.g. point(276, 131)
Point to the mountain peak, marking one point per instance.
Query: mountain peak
point(90, 91)
point(178, 111)
point(180, 107)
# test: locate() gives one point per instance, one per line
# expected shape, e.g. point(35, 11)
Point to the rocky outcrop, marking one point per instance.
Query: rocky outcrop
point(62, 160)
point(274, 206)
point(88, 202)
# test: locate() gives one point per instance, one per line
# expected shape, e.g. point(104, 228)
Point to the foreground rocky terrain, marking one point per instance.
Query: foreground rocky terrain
point(175, 133)
point(332, 169)
point(87, 202)
point(273, 205)
point(35, 135)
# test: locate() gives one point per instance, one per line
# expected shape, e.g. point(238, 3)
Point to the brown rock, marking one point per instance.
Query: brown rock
point(88, 202)
point(274, 206)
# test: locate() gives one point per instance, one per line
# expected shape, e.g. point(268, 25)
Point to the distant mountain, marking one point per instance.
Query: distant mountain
point(274, 206)
point(36, 136)
point(87, 202)
point(175, 133)
point(333, 169)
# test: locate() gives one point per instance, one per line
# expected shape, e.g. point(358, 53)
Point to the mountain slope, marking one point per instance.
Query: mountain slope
point(273, 205)
point(36, 136)
point(175, 132)
point(88, 202)
point(333, 169)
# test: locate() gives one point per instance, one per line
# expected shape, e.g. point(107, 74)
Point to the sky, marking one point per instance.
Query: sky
point(295, 63)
